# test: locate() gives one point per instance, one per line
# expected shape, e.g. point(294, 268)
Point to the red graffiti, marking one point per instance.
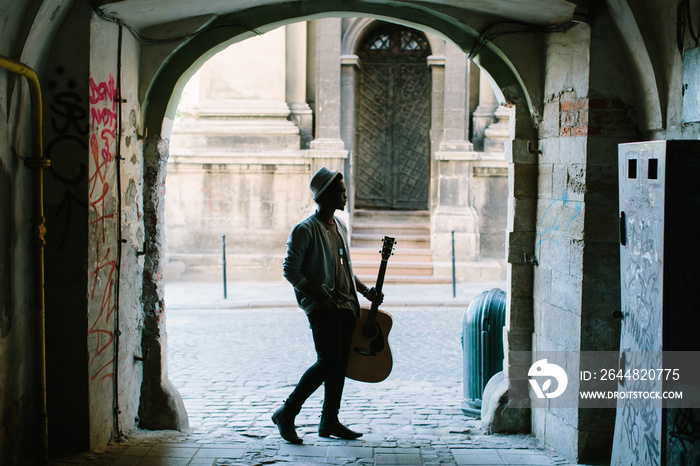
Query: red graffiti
point(103, 91)
point(102, 256)
point(104, 118)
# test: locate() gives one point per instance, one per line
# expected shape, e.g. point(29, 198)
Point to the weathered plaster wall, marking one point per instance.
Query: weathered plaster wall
point(103, 218)
point(17, 415)
point(26, 31)
point(130, 309)
point(160, 406)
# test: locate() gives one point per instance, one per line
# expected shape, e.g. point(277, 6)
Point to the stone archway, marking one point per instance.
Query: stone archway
point(159, 107)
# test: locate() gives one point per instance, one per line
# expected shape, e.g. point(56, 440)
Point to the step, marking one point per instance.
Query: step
point(395, 268)
point(405, 280)
point(401, 255)
point(368, 240)
point(390, 229)
point(420, 217)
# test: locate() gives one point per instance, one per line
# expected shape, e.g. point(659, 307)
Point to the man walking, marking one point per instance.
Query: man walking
point(318, 266)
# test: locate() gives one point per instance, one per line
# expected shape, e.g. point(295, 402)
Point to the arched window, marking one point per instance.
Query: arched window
point(388, 42)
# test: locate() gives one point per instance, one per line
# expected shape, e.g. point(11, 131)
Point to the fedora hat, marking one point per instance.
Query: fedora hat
point(321, 180)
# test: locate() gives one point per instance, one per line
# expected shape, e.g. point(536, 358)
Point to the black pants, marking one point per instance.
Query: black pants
point(332, 332)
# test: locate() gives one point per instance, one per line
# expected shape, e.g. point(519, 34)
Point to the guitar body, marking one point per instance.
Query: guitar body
point(370, 357)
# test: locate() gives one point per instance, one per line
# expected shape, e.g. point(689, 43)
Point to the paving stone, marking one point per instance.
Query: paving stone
point(350, 452)
point(302, 450)
point(220, 453)
point(397, 458)
point(477, 457)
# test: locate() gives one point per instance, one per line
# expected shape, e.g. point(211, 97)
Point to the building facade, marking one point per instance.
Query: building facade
point(412, 123)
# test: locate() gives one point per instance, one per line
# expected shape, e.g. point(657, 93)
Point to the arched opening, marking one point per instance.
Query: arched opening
point(217, 168)
point(156, 152)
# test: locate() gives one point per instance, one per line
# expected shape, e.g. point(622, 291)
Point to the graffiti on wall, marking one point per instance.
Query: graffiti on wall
point(556, 221)
point(68, 114)
point(102, 224)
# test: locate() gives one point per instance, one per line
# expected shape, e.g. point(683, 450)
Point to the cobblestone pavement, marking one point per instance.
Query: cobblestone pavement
point(234, 367)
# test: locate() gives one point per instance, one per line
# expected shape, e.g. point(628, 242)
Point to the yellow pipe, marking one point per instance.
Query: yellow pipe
point(37, 162)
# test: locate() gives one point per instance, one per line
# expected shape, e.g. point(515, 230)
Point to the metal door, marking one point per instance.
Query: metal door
point(392, 148)
point(638, 425)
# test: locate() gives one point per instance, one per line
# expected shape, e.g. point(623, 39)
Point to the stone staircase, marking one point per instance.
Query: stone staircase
point(412, 261)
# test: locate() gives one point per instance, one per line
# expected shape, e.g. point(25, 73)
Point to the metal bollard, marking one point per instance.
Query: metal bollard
point(454, 268)
point(223, 238)
point(482, 344)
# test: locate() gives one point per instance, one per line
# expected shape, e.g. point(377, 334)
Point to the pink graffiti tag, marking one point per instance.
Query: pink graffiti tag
point(104, 118)
point(103, 130)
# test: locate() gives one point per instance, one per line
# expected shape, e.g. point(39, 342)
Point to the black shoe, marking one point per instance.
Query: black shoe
point(331, 427)
point(284, 420)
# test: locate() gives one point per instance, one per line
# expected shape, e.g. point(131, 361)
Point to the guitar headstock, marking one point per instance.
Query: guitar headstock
point(387, 247)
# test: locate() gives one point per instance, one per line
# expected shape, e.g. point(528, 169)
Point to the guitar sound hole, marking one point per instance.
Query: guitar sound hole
point(369, 331)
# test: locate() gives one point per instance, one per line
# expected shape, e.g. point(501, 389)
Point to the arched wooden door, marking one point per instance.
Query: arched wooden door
point(392, 136)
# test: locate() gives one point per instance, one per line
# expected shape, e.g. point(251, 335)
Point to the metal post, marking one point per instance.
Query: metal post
point(454, 272)
point(223, 238)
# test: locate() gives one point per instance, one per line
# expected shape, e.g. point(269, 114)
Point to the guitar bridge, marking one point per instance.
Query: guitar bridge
point(364, 351)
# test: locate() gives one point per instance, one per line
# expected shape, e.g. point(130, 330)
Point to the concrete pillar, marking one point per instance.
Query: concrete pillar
point(295, 61)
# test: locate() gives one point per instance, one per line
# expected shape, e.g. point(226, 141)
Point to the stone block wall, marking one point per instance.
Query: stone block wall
point(254, 204)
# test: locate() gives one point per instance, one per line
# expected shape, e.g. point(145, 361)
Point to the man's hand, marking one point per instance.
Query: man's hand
point(374, 296)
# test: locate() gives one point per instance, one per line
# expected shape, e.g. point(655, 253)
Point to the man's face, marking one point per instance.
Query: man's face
point(337, 195)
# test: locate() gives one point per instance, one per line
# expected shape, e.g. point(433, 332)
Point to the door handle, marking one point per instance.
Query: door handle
point(623, 229)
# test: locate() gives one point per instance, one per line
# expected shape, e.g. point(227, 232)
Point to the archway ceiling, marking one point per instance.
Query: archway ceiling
point(142, 14)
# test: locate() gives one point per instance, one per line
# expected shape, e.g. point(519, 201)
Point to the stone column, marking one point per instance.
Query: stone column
point(453, 211)
point(327, 142)
point(498, 133)
point(295, 89)
point(456, 126)
point(328, 149)
point(484, 113)
point(349, 65)
point(437, 119)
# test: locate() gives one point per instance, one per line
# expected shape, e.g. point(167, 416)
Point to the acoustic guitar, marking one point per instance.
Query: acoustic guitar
point(370, 356)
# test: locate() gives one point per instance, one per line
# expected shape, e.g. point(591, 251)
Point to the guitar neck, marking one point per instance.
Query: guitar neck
point(380, 284)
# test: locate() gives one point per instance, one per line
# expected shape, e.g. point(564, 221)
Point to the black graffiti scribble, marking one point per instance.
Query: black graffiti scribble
point(67, 112)
point(69, 122)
